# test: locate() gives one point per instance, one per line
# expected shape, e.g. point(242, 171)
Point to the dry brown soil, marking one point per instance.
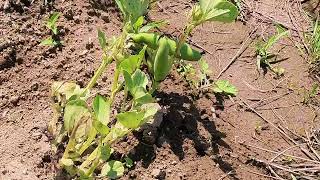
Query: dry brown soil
point(198, 138)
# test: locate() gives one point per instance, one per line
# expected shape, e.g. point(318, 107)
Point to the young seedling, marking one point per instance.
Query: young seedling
point(51, 24)
point(91, 129)
point(263, 51)
point(225, 88)
point(314, 42)
point(311, 94)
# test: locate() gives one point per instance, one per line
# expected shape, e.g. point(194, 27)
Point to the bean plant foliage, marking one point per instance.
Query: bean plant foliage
point(86, 125)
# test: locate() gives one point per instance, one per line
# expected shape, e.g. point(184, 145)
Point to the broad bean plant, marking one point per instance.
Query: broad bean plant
point(86, 124)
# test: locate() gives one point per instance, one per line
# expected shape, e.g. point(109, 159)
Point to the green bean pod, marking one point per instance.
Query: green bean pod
point(189, 54)
point(150, 59)
point(162, 62)
point(150, 39)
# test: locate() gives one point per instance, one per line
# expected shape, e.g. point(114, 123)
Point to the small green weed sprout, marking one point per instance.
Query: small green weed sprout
point(314, 42)
point(263, 51)
point(311, 94)
point(224, 87)
point(51, 24)
point(143, 59)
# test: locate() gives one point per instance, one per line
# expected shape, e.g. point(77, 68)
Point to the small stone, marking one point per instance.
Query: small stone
point(6, 5)
point(89, 44)
point(34, 86)
point(36, 135)
point(105, 17)
point(158, 174)
point(14, 99)
point(4, 171)
point(84, 52)
point(76, 19)
point(25, 172)
point(92, 12)
point(174, 162)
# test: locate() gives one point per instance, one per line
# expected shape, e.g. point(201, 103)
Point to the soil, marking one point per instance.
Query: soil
point(201, 137)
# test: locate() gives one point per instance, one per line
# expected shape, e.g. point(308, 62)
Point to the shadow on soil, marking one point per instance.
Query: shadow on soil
point(181, 122)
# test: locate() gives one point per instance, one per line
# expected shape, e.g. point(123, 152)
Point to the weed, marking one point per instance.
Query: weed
point(51, 24)
point(314, 42)
point(263, 51)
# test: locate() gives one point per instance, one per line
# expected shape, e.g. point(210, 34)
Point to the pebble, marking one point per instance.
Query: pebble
point(34, 86)
point(6, 5)
point(105, 17)
point(158, 174)
point(14, 99)
point(76, 19)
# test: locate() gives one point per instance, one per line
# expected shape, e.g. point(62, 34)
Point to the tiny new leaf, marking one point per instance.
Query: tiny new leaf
point(129, 162)
point(51, 23)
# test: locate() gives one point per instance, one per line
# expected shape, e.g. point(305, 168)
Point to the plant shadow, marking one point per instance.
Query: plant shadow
point(180, 123)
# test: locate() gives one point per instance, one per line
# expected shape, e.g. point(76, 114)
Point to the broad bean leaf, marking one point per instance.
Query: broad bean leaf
point(106, 152)
point(74, 111)
point(153, 25)
point(131, 119)
point(136, 83)
point(132, 62)
point(112, 169)
point(117, 131)
point(138, 24)
point(225, 87)
point(140, 79)
point(133, 9)
point(151, 110)
point(101, 108)
point(215, 10)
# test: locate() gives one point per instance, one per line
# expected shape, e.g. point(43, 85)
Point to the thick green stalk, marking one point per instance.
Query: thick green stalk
point(105, 62)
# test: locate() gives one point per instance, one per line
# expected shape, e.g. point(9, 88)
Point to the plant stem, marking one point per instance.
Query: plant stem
point(115, 84)
point(105, 62)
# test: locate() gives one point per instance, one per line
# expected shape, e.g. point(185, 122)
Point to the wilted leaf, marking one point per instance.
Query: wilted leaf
point(74, 111)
